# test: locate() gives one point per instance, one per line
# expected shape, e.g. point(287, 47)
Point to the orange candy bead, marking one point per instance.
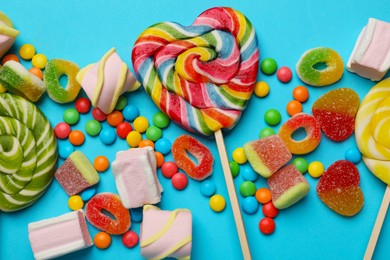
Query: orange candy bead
point(159, 159)
point(263, 195)
point(115, 118)
point(145, 143)
point(102, 240)
point(9, 57)
point(301, 94)
point(76, 137)
point(101, 163)
point(37, 72)
point(293, 107)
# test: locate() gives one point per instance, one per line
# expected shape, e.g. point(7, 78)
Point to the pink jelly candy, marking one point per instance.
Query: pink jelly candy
point(267, 155)
point(287, 186)
point(335, 111)
point(339, 188)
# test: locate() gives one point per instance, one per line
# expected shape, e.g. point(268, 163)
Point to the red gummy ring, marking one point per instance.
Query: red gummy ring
point(187, 144)
point(313, 133)
point(111, 203)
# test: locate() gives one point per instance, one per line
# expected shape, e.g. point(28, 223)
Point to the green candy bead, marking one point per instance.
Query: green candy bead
point(234, 168)
point(93, 127)
point(71, 116)
point(161, 120)
point(267, 131)
point(272, 117)
point(153, 133)
point(121, 103)
point(268, 66)
point(247, 188)
point(301, 164)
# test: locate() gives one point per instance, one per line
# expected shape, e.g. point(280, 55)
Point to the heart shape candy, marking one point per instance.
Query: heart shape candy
point(339, 188)
point(201, 75)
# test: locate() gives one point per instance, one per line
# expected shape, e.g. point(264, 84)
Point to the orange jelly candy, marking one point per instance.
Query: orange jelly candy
point(339, 188)
point(199, 151)
point(335, 111)
point(111, 203)
point(313, 133)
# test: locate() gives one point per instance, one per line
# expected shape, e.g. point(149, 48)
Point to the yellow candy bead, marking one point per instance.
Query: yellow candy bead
point(27, 51)
point(217, 203)
point(261, 89)
point(141, 124)
point(2, 89)
point(75, 202)
point(39, 61)
point(239, 156)
point(134, 138)
point(316, 169)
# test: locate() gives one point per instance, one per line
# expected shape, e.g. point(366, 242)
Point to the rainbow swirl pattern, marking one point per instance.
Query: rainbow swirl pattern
point(28, 153)
point(372, 133)
point(201, 75)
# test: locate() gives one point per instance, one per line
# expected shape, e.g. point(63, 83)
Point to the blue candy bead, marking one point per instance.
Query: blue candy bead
point(250, 205)
point(353, 155)
point(248, 174)
point(130, 112)
point(107, 135)
point(136, 215)
point(88, 194)
point(163, 145)
point(65, 149)
point(208, 188)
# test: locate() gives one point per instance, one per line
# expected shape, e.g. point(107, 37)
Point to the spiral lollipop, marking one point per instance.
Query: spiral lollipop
point(372, 126)
point(202, 77)
point(28, 153)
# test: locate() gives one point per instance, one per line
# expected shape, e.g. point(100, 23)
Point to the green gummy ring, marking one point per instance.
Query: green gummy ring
point(53, 71)
point(28, 153)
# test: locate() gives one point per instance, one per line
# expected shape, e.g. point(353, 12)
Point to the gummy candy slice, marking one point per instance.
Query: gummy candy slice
point(336, 111)
point(111, 203)
point(339, 188)
point(187, 143)
point(267, 155)
point(287, 186)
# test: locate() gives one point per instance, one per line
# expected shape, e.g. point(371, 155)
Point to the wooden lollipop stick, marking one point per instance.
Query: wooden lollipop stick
point(232, 195)
point(378, 225)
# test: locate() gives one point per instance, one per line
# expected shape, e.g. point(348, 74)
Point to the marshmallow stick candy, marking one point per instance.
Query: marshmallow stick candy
point(202, 77)
point(372, 126)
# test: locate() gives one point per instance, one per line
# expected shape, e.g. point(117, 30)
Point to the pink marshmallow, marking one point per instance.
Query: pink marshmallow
point(135, 177)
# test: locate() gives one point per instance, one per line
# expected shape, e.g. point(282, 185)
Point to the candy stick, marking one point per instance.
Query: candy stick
point(232, 195)
point(378, 225)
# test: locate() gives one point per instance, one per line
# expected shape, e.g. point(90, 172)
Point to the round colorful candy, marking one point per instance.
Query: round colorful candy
point(121, 103)
point(36, 71)
point(217, 203)
point(76, 137)
point(130, 239)
point(101, 163)
point(269, 210)
point(179, 181)
point(102, 240)
point(268, 66)
point(123, 129)
point(133, 138)
point(88, 193)
point(107, 135)
point(114, 118)
point(145, 143)
point(208, 188)
point(301, 94)
point(272, 117)
point(71, 116)
point(316, 169)
point(75, 202)
point(9, 57)
point(163, 145)
point(27, 51)
point(294, 107)
point(168, 169)
point(159, 159)
point(153, 133)
point(284, 74)
point(261, 89)
point(353, 155)
point(83, 105)
point(65, 149)
point(263, 195)
point(266, 131)
point(93, 127)
point(247, 188)
point(98, 114)
point(239, 155)
point(301, 164)
point(39, 61)
point(62, 130)
point(161, 120)
point(141, 123)
point(130, 112)
point(234, 168)
point(250, 205)
point(249, 174)
point(267, 226)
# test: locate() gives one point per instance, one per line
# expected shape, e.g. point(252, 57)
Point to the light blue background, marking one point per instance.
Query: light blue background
point(82, 31)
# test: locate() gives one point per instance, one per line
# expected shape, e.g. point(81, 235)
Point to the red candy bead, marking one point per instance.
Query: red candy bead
point(83, 105)
point(267, 226)
point(98, 114)
point(179, 181)
point(130, 239)
point(269, 210)
point(284, 74)
point(168, 169)
point(123, 129)
point(62, 130)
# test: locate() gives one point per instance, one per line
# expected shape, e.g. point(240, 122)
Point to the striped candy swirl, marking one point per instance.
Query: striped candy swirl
point(372, 133)
point(202, 75)
point(28, 153)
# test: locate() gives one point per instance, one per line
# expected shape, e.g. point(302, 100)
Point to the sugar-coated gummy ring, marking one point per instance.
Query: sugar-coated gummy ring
point(53, 71)
point(29, 154)
point(308, 73)
point(111, 203)
point(313, 133)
